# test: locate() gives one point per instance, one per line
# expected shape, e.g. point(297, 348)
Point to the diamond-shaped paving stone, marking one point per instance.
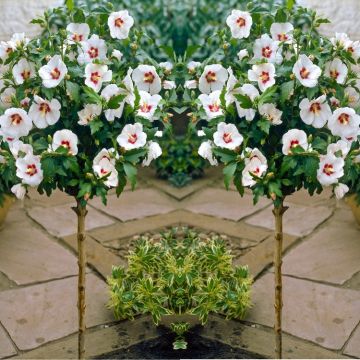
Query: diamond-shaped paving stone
point(298, 220)
point(331, 246)
point(37, 314)
point(224, 204)
point(320, 313)
point(28, 255)
point(62, 221)
point(6, 346)
point(353, 346)
point(136, 205)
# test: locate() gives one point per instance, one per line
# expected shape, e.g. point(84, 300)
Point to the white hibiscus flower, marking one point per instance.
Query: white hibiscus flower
point(88, 113)
point(306, 72)
point(7, 97)
point(211, 104)
point(5, 50)
point(352, 97)
point(344, 123)
point(336, 70)
point(132, 137)
point(192, 66)
point(154, 151)
point(271, 113)
point(167, 66)
point(282, 32)
point(240, 23)
point(105, 168)
point(117, 54)
point(268, 49)
point(147, 79)
point(168, 85)
point(227, 136)
point(105, 154)
point(148, 104)
point(96, 74)
point(92, 49)
point(242, 54)
point(315, 112)
point(44, 113)
point(128, 88)
point(231, 88)
point(120, 23)
point(19, 191)
point(331, 168)
point(213, 78)
point(205, 151)
point(254, 167)
point(15, 123)
point(67, 139)
point(107, 93)
point(342, 147)
point(252, 92)
point(53, 72)
point(19, 149)
point(28, 169)
point(341, 190)
point(77, 32)
point(19, 40)
point(23, 71)
point(292, 139)
point(264, 74)
point(191, 84)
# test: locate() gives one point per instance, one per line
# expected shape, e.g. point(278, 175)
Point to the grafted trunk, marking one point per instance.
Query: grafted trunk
point(81, 212)
point(278, 212)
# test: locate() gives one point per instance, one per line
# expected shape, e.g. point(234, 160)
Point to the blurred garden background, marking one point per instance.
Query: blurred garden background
point(38, 243)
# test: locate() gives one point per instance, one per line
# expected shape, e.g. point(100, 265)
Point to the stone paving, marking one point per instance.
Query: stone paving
point(38, 267)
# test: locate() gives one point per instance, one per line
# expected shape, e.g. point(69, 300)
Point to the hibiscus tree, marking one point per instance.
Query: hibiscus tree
point(284, 116)
point(79, 111)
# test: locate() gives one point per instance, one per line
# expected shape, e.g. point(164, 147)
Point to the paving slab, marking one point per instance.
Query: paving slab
point(353, 346)
point(298, 220)
point(341, 247)
point(62, 221)
point(28, 255)
point(136, 205)
point(323, 314)
point(56, 198)
point(6, 346)
point(223, 204)
point(302, 197)
point(37, 314)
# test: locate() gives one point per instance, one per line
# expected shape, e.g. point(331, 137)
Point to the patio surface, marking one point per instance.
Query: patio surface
point(38, 267)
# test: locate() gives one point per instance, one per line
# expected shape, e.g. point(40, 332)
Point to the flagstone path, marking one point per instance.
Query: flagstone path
point(38, 267)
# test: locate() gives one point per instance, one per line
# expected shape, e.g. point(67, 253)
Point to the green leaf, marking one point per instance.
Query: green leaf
point(290, 4)
point(286, 90)
point(245, 101)
point(95, 126)
point(79, 16)
point(229, 171)
point(191, 49)
point(73, 90)
point(281, 16)
point(92, 96)
point(133, 156)
point(115, 101)
point(168, 50)
point(70, 4)
point(264, 125)
point(226, 155)
point(267, 95)
point(131, 172)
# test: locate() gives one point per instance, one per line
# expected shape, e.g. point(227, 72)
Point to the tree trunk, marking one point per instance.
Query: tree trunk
point(81, 212)
point(278, 212)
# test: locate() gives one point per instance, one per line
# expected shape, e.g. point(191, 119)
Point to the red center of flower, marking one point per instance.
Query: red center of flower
point(241, 22)
point(265, 77)
point(256, 171)
point(31, 170)
point(344, 119)
point(210, 77)
point(304, 73)
point(214, 107)
point(334, 74)
point(315, 108)
point(149, 77)
point(119, 22)
point(95, 77)
point(294, 143)
point(66, 144)
point(132, 138)
point(77, 37)
point(44, 108)
point(227, 138)
point(282, 37)
point(9, 50)
point(350, 49)
point(93, 52)
point(16, 119)
point(266, 52)
point(25, 74)
point(145, 108)
point(103, 171)
point(55, 73)
point(328, 169)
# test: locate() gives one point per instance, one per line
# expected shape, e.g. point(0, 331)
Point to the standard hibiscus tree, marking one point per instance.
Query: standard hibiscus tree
point(278, 106)
point(80, 106)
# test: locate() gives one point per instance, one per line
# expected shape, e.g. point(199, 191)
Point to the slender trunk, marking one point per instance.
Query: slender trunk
point(278, 212)
point(81, 212)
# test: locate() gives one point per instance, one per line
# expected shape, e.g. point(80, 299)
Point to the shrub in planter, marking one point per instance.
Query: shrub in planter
point(80, 108)
point(179, 275)
point(278, 107)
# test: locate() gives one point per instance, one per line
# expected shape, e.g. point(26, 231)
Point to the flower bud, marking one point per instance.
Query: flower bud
point(134, 46)
point(86, 196)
